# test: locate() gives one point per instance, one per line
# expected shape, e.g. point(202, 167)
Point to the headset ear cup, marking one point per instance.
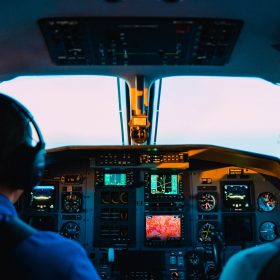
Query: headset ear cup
point(21, 165)
point(28, 164)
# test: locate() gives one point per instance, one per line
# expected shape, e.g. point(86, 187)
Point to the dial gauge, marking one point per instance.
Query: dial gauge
point(194, 259)
point(267, 201)
point(268, 231)
point(72, 202)
point(71, 230)
point(205, 232)
point(206, 201)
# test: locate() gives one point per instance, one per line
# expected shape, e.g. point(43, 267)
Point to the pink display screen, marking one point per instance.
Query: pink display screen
point(163, 227)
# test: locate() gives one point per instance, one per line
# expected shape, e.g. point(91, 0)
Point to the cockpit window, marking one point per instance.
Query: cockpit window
point(239, 113)
point(71, 110)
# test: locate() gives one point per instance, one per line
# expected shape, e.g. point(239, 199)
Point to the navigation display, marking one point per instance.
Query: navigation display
point(164, 184)
point(237, 196)
point(115, 179)
point(42, 198)
point(163, 227)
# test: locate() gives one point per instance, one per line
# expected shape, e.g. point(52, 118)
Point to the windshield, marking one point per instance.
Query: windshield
point(71, 110)
point(239, 113)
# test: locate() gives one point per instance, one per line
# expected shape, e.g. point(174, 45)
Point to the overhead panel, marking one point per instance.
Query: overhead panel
point(140, 41)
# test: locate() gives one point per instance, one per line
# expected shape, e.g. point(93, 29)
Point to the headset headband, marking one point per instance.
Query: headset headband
point(23, 110)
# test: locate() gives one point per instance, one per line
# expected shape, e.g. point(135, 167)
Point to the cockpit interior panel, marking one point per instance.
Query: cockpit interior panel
point(154, 212)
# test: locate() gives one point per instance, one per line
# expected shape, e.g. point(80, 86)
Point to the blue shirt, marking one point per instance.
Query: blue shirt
point(47, 255)
point(248, 264)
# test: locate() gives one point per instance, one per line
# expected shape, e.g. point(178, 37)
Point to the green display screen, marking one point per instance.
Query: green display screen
point(115, 179)
point(164, 184)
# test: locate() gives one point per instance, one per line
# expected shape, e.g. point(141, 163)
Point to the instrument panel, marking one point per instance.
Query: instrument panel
point(156, 214)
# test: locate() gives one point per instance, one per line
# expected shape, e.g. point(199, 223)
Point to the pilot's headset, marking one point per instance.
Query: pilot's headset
point(22, 147)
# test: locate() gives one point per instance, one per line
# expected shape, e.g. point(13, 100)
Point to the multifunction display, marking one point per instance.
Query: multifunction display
point(163, 227)
point(237, 196)
point(118, 178)
point(115, 179)
point(164, 184)
point(42, 198)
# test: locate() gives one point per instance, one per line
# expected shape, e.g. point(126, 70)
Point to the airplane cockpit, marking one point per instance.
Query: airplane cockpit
point(169, 165)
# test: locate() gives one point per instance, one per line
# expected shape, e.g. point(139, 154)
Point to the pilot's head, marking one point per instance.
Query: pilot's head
point(22, 148)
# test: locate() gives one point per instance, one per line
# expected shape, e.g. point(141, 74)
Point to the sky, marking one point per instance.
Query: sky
point(70, 110)
point(240, 113)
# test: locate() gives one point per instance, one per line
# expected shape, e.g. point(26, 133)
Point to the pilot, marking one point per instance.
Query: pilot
point(25, 252)
point(256, 263)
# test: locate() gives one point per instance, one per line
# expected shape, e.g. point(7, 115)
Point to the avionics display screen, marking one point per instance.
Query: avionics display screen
point(166, 184)
point(237, 196)
point(238, 229)
point(163, 227)
point(42, 198)
point(115, 179)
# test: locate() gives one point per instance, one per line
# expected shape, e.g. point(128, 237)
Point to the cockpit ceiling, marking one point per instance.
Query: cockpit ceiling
point(255, 54)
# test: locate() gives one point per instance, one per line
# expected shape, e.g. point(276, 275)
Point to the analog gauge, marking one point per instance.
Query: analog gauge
point(194, 259)
point(266, 201)
point(70, 230)
point(123, 198)
point(268, 231)
point(206, 201)
point(72, 202)
point(205, 232)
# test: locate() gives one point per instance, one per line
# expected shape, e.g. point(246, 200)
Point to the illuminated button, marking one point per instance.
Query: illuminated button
point(180, 260)
point(173, 260)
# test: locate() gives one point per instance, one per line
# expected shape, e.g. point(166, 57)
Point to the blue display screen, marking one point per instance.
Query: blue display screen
point(115, 179)
point(164, 184)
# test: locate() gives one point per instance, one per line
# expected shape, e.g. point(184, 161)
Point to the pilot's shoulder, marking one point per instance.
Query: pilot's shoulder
point(247, 262)
point(53, 256)
point(53, 243)
point(268, 248)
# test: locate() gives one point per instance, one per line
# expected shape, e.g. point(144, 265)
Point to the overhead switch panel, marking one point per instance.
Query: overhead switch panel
point(140, 41)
